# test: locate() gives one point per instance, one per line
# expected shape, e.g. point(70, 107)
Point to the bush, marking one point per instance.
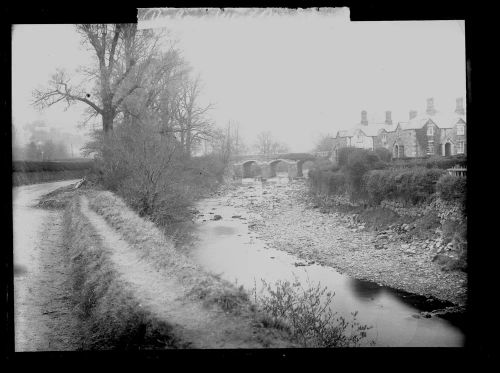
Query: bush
point(336, 183)
point(452, 188)
point(149, 171)
point(379, 185)
point(327, 182)
point(322, 164)
point(348, 178)
point(306, 313)
point(343, 155)
point(431, 162)
point(384, 154)
point(409, 185)
point(421, 184)
point(360, 161)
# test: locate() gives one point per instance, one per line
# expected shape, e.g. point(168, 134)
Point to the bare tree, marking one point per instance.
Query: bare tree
point(122, 52)
point(32, 152)
point(156, 103)
point(266, 144)
point(324, 143)
point(226, 142)
point(192, 122)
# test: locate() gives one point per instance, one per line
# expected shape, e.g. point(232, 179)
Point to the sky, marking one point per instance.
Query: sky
point(298, 75)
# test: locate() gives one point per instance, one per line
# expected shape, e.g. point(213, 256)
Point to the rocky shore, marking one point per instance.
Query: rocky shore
point(285, 216)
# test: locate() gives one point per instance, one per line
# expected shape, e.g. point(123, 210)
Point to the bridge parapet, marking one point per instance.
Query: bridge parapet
point(287, 156)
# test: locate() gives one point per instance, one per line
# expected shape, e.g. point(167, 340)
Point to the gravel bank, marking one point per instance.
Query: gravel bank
point(285, 217)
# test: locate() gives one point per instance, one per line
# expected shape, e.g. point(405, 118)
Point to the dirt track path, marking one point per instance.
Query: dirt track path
point(164, 296)
point(43, 319)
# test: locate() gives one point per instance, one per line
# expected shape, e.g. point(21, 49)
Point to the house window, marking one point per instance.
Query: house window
point(384, 139)
point(460, 147)
point(430, 130)
point(460, 129)
point(430, 147)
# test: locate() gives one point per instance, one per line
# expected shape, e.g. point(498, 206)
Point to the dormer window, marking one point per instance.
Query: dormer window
point(460, 129)
point(430, 130)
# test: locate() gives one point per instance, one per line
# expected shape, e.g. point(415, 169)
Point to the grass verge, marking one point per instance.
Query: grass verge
point(153, 246)
point(109, 316)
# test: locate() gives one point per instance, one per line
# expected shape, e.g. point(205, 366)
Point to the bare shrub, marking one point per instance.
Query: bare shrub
point(452, 188)
point(147, 169)
point(307, 315)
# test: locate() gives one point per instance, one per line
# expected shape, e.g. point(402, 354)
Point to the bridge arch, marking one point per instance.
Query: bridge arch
point(247, 167)
point(274, 163)
point(300, 164)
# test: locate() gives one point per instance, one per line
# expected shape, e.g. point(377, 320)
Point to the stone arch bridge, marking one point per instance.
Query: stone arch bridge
point(267, 163)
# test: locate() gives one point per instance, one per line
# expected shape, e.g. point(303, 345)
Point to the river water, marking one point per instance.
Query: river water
point(227, 247)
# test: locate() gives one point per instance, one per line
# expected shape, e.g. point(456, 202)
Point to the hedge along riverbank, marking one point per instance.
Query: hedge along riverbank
point(50, 166)
point(26, 178)
point(406, 186)
point(109, 315)
point(33, 172)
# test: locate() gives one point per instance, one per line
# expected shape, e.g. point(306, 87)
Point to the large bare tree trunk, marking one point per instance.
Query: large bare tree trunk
point(188, 142)
point(107, 122)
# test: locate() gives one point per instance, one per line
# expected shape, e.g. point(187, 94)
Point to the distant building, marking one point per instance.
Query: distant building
point(432, 133)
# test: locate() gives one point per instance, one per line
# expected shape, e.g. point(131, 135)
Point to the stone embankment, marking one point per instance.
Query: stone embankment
point(285, 216)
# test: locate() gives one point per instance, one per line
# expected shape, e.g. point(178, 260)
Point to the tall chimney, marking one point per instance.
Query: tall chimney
point(388, 119)
point(413, 114)
point(430, 107)
point(364, 118)
point(460, 106)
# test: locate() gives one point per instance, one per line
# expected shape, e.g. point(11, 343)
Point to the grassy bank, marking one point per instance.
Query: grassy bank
point(109, 315)
point(152, 246)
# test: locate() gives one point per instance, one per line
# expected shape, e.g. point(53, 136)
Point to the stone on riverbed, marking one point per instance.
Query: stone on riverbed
point(299, 264)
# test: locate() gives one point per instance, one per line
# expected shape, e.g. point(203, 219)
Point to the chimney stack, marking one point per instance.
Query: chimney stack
point(413, 114)
point(430, 107)
point(460, 106)
point(388, 119)
point(364, 118)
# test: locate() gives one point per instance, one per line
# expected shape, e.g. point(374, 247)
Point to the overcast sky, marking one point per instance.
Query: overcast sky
point(295, 75)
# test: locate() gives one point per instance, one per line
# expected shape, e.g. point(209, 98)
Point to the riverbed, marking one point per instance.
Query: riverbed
point(230, 247)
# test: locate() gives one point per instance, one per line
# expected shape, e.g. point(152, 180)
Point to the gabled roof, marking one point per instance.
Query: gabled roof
point(440, 120)
point(372, 129)
point(346, 133)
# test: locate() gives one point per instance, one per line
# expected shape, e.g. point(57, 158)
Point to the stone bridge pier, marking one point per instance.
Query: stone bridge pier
point(268, 169)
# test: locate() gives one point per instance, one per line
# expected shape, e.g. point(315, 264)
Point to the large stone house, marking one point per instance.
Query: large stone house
point(432, 133)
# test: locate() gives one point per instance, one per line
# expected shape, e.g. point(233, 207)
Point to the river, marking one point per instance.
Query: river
point(229, 248)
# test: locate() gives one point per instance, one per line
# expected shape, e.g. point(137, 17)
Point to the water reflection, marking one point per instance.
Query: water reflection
point(224, 230)
point(364, 290)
